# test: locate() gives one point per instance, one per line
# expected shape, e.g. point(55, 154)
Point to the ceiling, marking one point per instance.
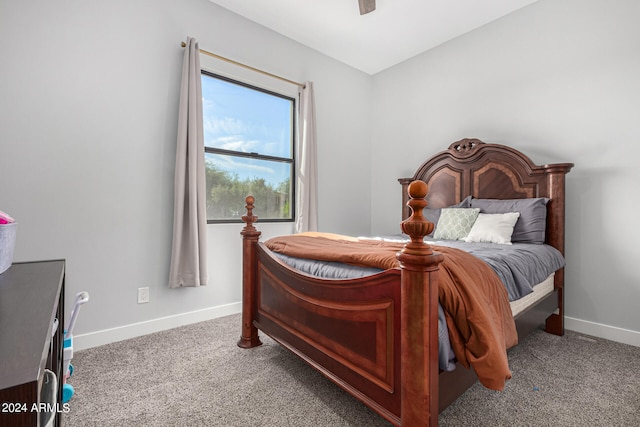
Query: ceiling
point(397, 30)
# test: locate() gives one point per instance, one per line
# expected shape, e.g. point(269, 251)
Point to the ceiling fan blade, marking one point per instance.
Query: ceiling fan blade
point(366, 6)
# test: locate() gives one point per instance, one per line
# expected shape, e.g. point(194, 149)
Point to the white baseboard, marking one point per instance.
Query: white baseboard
point(599, 330)
point(106, 336)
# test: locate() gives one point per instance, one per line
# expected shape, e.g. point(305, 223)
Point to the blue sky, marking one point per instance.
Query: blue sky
point(243, 119)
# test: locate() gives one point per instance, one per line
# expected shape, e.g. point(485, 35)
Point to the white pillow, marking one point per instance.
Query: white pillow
point(493, 228)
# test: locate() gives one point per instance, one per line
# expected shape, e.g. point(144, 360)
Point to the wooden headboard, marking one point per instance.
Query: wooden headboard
point(492, 171)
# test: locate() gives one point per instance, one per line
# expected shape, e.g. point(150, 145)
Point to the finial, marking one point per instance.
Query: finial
point(249, 218)
point(417, 226)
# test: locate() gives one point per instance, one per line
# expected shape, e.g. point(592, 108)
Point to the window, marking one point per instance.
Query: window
point(249, 136)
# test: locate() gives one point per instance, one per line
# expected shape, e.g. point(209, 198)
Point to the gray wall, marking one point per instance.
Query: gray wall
point(88, 113)
point(559, 81)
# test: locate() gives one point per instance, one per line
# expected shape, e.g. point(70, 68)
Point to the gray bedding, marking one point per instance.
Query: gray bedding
point(520, 266)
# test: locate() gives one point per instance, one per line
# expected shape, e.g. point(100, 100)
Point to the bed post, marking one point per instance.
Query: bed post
point(556, 231)
point(419, 317)
point(404, 182)
point(250, 236)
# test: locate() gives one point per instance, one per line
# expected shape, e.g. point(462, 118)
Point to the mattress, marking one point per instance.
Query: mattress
point(540, 291)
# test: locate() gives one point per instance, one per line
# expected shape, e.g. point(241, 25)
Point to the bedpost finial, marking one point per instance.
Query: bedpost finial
point(249, 219)
point(417, 226)
point(250, 200)
point(418, 189)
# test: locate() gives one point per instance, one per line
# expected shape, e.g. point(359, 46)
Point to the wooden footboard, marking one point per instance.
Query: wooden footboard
point(346, 328)
point(376, 337)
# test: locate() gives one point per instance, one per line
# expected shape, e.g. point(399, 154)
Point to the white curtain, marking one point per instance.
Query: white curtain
point(306, 159)
point(189, 250)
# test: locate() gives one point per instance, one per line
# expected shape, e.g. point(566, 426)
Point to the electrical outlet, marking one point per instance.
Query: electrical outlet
point(143, 295)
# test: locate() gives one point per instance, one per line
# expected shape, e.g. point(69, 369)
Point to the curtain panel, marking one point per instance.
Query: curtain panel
point(306, 159)
point(188, 265)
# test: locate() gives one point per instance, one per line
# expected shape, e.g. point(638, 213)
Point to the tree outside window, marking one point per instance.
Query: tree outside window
point(249, 149)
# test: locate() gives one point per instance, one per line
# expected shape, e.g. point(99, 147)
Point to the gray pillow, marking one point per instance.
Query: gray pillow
point(532, 223)
point(433, 215)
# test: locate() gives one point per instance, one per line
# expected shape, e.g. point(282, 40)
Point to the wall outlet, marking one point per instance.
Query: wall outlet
point(143, 295)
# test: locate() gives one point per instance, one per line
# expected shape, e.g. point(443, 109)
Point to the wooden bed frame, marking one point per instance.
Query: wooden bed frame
point(376, 337)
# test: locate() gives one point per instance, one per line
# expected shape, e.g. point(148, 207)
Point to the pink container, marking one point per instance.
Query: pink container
point(7, 244)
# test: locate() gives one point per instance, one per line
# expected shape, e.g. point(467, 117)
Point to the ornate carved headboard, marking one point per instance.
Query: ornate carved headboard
point(492, 171)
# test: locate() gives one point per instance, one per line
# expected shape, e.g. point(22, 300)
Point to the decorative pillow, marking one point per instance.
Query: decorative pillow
point(493, 228)
point(433, 215)
point(532, 224)
point(455, 223)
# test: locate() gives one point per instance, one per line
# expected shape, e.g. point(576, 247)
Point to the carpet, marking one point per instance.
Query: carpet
point(196, 375)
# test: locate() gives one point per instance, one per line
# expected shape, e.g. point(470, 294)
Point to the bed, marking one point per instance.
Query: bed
point(377, 336)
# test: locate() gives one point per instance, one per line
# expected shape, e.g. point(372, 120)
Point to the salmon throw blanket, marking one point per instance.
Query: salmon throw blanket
point(475, 302)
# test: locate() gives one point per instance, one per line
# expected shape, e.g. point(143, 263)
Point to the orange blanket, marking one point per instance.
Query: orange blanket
point(475, 301)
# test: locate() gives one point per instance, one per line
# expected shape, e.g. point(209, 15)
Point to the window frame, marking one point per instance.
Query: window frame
point(258, 156)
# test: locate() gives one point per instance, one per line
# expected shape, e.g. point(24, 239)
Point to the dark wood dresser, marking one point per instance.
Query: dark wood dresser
point(31, 299)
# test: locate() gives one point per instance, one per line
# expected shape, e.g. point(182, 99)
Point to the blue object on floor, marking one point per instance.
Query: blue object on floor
point(67, 392)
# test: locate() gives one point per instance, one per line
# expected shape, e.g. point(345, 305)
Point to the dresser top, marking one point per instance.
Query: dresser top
point(29, 295)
